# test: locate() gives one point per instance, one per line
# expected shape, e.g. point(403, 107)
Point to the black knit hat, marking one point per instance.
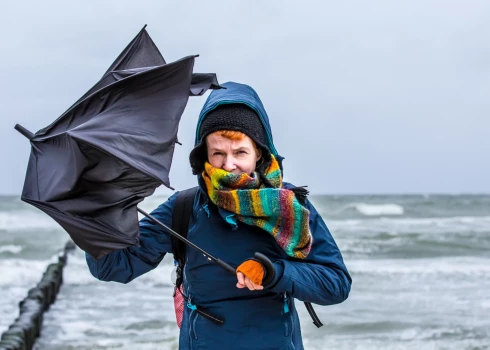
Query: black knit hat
point(237, 117)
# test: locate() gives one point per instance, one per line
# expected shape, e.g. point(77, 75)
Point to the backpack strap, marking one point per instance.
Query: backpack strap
point(181, 215)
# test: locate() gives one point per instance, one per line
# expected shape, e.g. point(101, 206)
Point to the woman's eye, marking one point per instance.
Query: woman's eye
point(217, 154)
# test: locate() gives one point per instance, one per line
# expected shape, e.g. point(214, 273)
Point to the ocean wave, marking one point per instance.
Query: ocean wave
point(24, 220)
point(13, 249)
point(376, 209)
point(77, 272)
point(412, 238)
point(447, 266)
point(20, 272)
point(414, 247)
point(395, 226)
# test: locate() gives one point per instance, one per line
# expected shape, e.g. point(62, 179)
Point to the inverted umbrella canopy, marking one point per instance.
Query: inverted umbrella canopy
point(90, 168)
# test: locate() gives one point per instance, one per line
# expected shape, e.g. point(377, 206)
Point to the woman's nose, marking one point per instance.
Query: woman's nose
point(229, 164)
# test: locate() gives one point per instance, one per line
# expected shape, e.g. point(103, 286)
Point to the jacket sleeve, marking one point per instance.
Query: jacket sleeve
point(322, 277)
point(125, 265)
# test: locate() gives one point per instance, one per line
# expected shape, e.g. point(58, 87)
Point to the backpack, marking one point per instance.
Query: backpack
point(182, 213)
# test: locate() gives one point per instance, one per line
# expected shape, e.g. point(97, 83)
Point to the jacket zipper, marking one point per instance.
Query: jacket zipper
point(192, 321)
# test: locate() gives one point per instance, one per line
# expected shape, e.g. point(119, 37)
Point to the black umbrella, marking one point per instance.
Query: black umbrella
point(90, 168)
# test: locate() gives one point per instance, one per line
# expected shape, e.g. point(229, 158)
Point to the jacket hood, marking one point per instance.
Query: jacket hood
point(238, 93)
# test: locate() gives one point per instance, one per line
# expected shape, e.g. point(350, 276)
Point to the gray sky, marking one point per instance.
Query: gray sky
point(363, 96)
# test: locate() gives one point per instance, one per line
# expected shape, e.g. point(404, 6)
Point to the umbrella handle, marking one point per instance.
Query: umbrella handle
point(268, 267)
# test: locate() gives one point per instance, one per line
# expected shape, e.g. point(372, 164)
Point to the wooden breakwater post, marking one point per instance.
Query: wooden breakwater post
point(22, 334)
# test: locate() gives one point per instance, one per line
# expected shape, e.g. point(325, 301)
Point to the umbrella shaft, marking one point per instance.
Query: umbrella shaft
point(186, 241)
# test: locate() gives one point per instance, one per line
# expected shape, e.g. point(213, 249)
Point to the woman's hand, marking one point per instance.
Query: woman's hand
point(250, 274)
point(245, 282)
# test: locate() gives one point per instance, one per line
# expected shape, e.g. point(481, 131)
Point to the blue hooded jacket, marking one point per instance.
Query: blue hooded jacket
point(265, 319)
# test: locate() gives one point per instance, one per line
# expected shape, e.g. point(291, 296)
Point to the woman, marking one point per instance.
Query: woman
point(242, 207)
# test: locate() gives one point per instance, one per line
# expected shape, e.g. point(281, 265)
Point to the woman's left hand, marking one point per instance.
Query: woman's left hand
point(245, 282)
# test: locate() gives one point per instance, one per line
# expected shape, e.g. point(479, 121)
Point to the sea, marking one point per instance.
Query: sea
point(420, 266)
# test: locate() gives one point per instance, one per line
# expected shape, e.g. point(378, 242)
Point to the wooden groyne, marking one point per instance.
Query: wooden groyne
point(22, 334)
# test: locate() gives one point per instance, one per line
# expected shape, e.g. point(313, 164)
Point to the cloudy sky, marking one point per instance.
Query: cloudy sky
point(363, 96)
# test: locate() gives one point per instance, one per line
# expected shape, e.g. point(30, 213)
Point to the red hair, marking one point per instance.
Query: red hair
point(235, 136)
point(231, 134)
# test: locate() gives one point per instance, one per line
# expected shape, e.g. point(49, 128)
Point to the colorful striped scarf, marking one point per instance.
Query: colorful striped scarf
point(276, 210)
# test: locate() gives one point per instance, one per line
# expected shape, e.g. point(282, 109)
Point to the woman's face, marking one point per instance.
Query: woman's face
point(235, 156)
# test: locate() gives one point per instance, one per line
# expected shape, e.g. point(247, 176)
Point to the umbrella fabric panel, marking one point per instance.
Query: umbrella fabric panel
point(93, 197)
